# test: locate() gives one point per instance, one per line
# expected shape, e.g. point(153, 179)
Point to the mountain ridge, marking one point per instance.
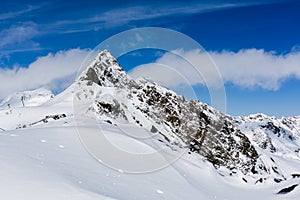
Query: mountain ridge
point(222, 140)
point(201, 128)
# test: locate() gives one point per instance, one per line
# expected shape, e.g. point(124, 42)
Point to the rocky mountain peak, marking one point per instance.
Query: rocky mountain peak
point(186, 124)
point(105, 71)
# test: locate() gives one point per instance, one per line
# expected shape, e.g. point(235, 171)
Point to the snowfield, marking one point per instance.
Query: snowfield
point(49, 162)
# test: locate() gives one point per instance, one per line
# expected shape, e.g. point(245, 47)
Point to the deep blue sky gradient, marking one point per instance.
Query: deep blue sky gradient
point(61, 25)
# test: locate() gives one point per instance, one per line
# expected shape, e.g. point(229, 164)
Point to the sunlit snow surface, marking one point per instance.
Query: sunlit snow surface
point(48, 161)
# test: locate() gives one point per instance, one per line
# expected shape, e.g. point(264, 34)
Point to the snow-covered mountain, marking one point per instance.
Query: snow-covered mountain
point(226, 157)
point(190, 124)
point(274, 139)
point(278, 136)
point(27, 98)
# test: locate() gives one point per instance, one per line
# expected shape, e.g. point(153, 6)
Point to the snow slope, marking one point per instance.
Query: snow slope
point(49, 162)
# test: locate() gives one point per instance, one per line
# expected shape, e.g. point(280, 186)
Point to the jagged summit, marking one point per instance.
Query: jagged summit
point(222, 140)
point(105, 71)
point(190, 124)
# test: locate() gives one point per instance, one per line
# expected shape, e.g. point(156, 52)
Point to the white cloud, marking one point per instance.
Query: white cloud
point(53, 71)
point(247, 68)
point(257, 68)
point(172, 70)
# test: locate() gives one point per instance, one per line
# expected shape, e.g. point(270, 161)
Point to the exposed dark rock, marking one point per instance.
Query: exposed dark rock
point(92, 77)
point(245, 180)
point(296, 175)
point(287, 190)
point(153, 129)
point(43, 121)
point(278, 180)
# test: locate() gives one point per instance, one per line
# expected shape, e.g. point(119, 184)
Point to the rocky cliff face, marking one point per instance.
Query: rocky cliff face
point(188, 124)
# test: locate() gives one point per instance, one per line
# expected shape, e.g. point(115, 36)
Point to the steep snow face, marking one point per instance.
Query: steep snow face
point(27, 98)
point(117, 98)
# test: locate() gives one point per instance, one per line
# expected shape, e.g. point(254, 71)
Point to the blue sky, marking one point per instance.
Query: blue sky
point(35, 34)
